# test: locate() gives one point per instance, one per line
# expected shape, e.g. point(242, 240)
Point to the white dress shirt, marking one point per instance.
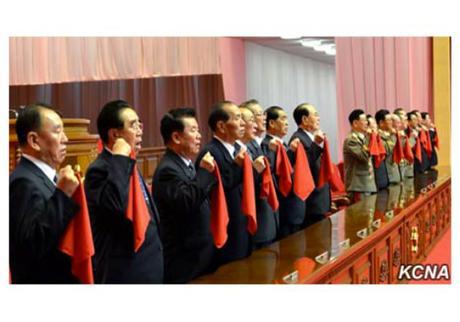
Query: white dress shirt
point(44, 167)
point(228, 146)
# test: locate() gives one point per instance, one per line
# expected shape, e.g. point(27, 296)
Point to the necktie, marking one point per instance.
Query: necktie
point(144, 191)
point(55, 179)
point(191, 169)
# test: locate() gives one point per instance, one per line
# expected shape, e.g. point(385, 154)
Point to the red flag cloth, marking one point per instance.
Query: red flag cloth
point(77, 240)
point(408, 155)
point(304, 267)
point(426, 142)
point(326, 169)
point(137, 210)
point(336, 181)
point(248, 200)
point(436, 139)
point(429, 147)
point(219, 211)
point(283, 170)
point(376, 149)
point(373, 146)
point(100, 146)
point(382, 151)
point(398, 153)
point(418, 149)
point(268, 188)
point(303, 180)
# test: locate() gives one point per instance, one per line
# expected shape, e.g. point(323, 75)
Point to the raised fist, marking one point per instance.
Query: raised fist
point(294, 144)
point(67, 181)
point(207, 162)
point(259, 164)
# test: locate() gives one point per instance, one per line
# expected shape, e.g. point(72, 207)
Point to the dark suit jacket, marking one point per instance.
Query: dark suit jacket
point(182, 200)
point(267, 219)
point(434, 155)
point(319, 201)
point(420, 167)
point(239, 242)
point(381, 175)
point(106, 185)
point(292, 208)
point(39, 214)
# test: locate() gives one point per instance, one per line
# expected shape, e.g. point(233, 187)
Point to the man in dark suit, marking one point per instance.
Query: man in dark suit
point(267, 219)
point(292, 208)
point(414, 129)
point(310, 135)
point(387, 134)
point(40, 203)
point(227, 126)
point(259, 118)
point(181, 193)
point(107, 187)
point(431, 129)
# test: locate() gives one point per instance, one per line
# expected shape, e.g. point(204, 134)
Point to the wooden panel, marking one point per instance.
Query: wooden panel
point(81, 148)
point(362, 270)
point(396, 253)
point(382, 262)
point(343, 277)
point(151, 97)
point(372, 258)
point(148, 159)
point(414, 237)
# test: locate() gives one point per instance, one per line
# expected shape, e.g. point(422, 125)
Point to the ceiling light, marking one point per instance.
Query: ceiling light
point(310, 42)
point(290, 37)
point(331, 52)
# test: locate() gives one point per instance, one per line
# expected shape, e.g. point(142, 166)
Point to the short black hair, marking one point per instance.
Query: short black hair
point(217, 114)
point(380, 115)
point(409, 115)
point(109, 118)
point(424, 115)
point(173, 122)
point(272, 114)
point(369, 116)
point(300, 111)
point(249, 103)
point(354, 115)
point(30, 119)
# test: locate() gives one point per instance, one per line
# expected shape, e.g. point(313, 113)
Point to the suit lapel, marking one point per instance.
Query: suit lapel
point(304, 138)
point(179, 162)
point(31, 167)
point(222, 149)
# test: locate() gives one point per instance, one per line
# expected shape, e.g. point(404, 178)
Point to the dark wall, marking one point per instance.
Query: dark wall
point(151, 97)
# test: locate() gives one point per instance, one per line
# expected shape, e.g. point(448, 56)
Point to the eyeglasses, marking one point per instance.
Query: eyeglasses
point(137, 125)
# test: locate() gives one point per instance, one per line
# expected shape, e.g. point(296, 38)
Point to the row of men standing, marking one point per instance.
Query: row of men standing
point(386, 149)
point(176, 243)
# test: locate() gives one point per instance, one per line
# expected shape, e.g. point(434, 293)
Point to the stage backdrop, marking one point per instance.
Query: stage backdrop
point(382, 72)
point(277, 78)
point(151, 97)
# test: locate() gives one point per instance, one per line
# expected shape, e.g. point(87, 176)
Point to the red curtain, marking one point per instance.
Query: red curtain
point(151, 97)
point(382, 72)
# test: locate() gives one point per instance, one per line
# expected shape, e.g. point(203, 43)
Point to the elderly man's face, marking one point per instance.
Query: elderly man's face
point(259, 117)
point(249, 124)
point(312, 121)
point(235, 125)
point(132, 128)
point(360, 125)
point(51, 138)
point(190, 138)
point(280, 125)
